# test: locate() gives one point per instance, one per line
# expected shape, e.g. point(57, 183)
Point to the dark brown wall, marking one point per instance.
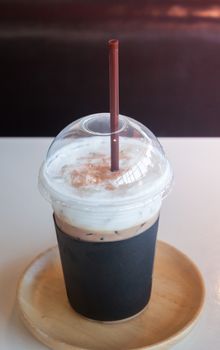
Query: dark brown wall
point(54, 64)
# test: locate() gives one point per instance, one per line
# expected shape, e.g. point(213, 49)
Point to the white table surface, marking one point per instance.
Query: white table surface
point(190, 220)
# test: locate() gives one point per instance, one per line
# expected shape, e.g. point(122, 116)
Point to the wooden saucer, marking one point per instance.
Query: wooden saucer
point(176, 301)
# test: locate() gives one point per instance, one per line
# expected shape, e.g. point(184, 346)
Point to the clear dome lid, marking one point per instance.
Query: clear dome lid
point(77, 166)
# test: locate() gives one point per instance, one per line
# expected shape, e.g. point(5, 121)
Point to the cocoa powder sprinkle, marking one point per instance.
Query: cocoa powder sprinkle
point(96, 171)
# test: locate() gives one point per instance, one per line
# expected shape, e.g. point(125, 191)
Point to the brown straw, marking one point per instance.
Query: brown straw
point(114, 102)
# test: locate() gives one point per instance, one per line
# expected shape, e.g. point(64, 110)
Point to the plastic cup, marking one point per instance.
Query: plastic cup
point(106, 222)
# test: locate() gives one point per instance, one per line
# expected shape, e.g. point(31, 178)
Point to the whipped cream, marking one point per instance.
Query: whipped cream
point(86, 194)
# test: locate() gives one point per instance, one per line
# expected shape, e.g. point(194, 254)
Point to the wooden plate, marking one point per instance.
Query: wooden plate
point(176, 301)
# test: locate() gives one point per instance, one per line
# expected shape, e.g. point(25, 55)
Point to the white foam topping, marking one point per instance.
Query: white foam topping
point(83, 190)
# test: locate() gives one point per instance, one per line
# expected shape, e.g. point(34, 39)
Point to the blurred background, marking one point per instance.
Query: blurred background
point(54, 64)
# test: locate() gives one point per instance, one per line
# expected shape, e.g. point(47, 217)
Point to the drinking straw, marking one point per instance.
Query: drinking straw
point(114, 102)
